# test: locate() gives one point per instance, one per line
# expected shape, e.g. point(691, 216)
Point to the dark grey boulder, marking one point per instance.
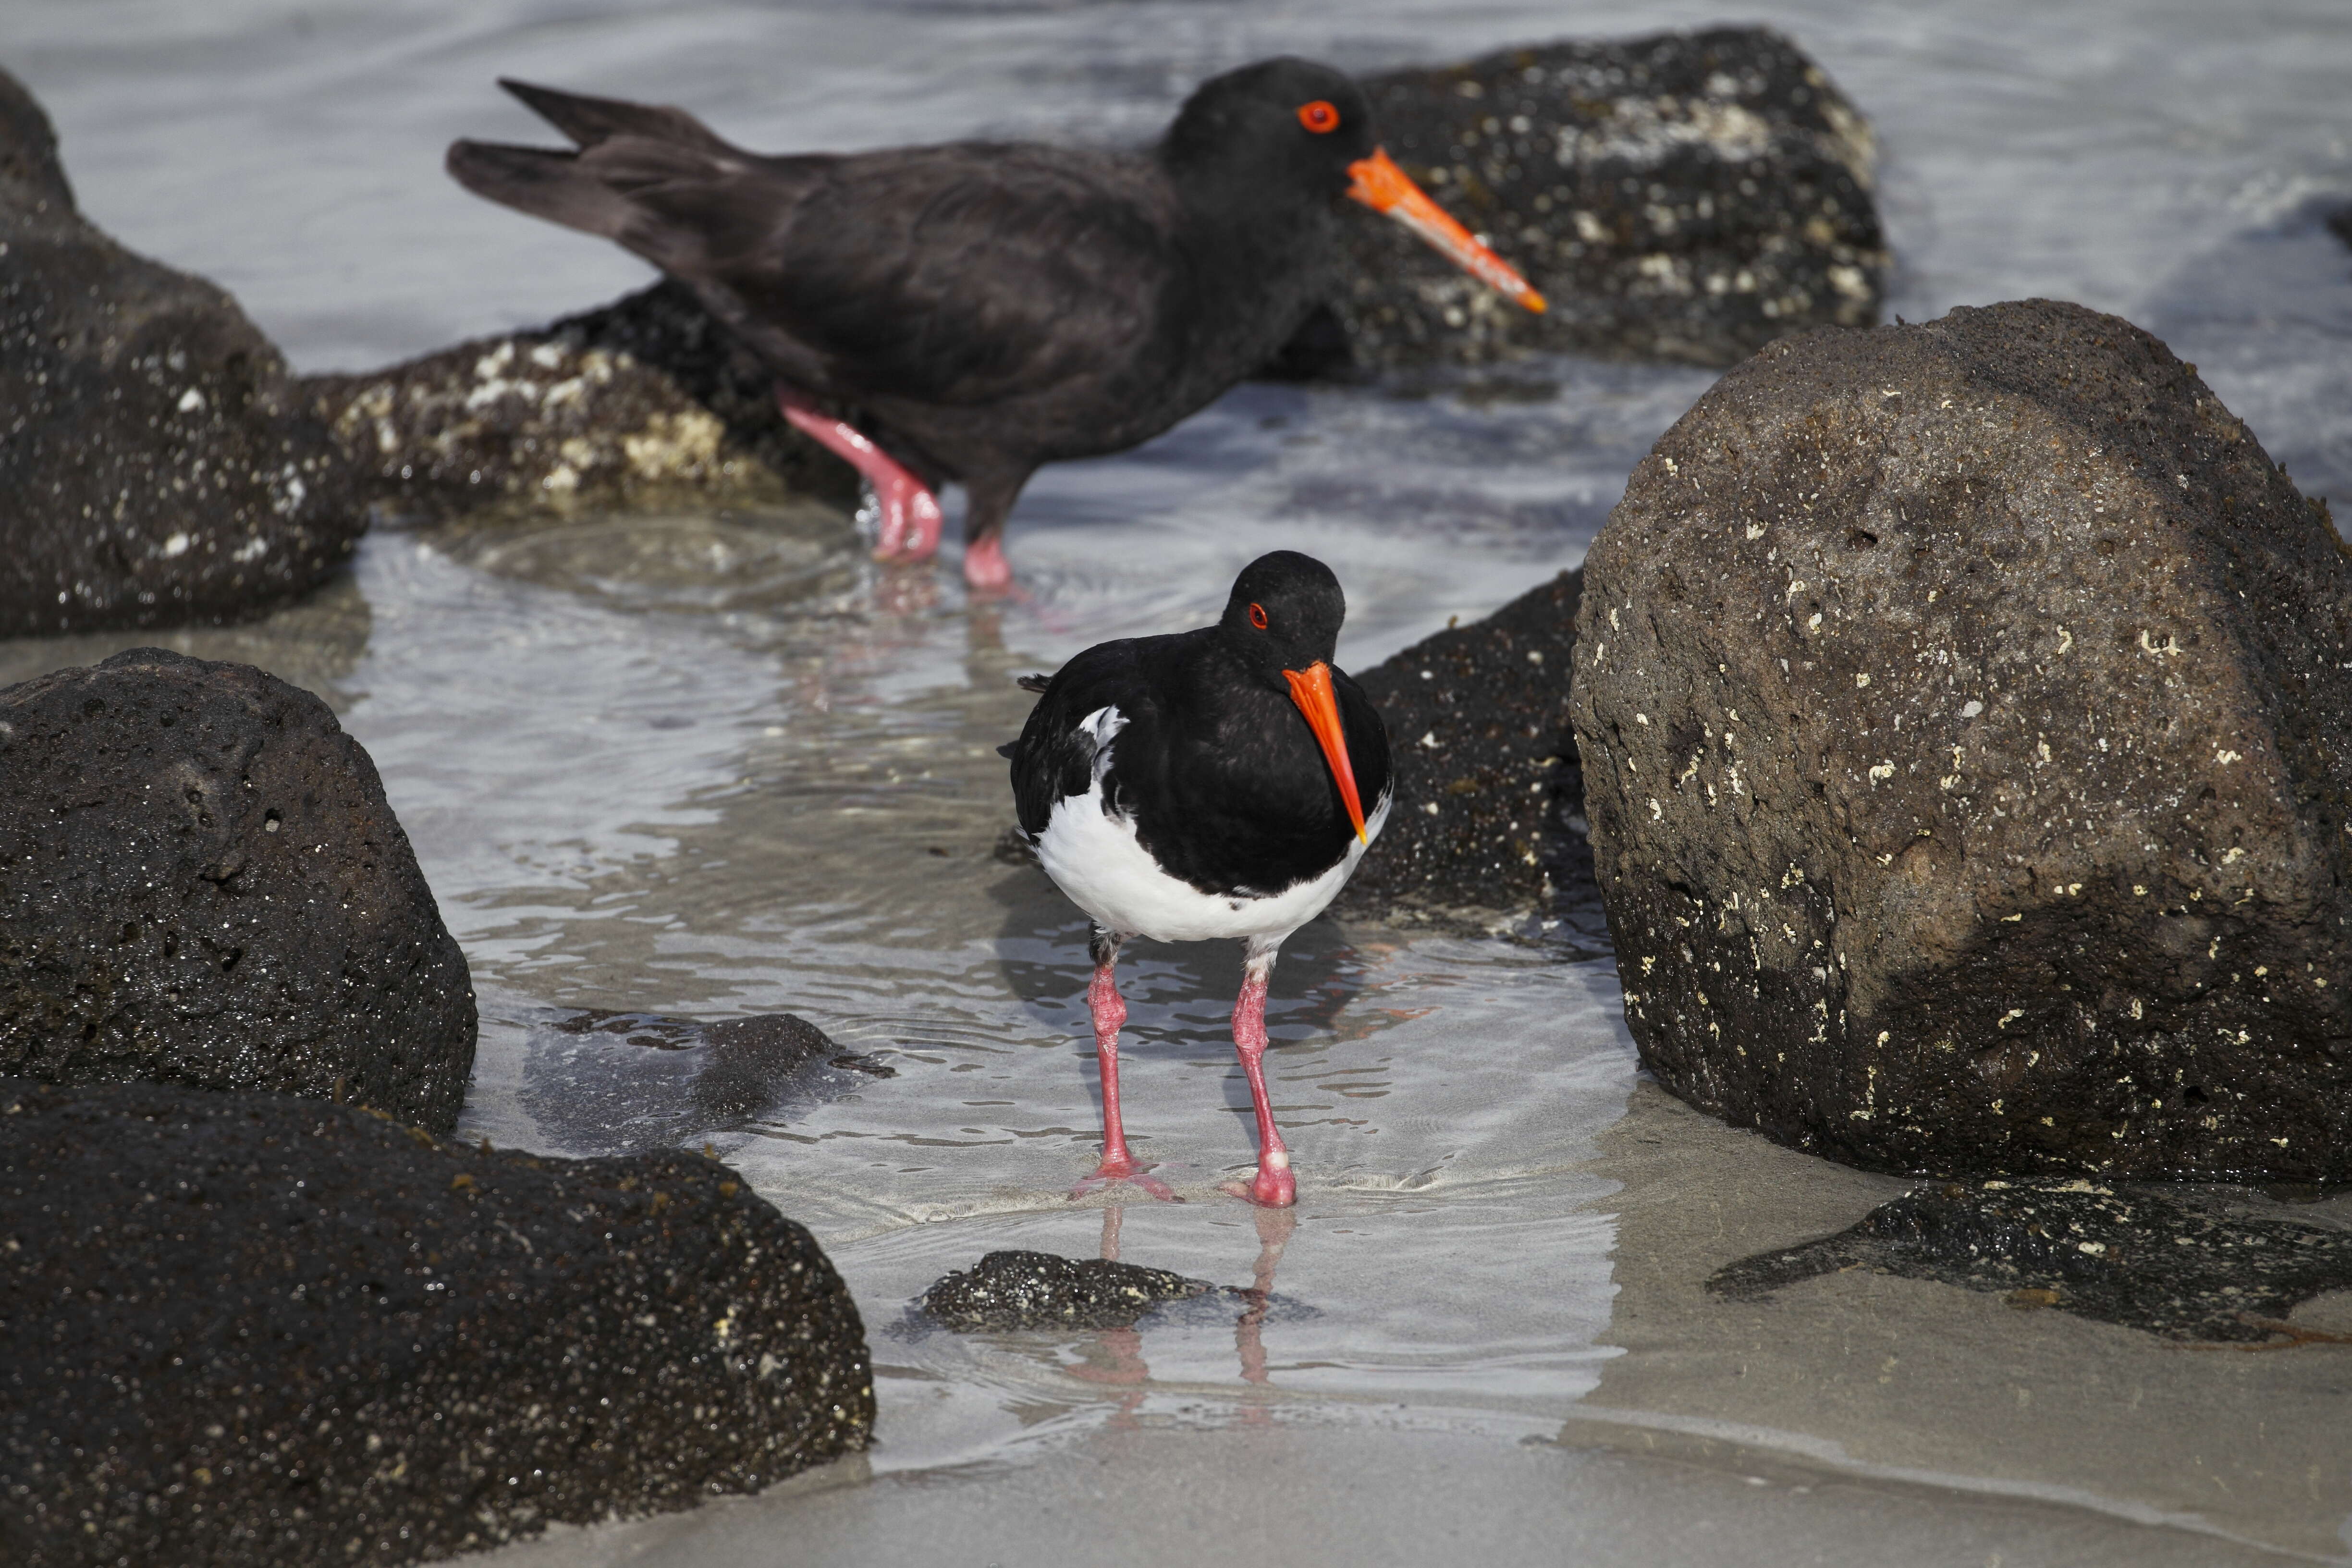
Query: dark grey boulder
point(156, 465)
point(1685, 196)
point(609, 1082)
point(1015, 1289)
point(1489, 796)
point(201, 883)
point(646, 398)
point(2146, 1260)
point(1965, 716)
point(246, 1329)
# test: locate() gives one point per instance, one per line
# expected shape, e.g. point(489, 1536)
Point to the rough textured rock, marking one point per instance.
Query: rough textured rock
point(1685, 196)
point(201, 883)
point(1490, 799)
point(610, 1081)
point(2141, 1260)
point(1042, 1290)
point(155, 464)
point(1963, 711)
point(645, 398)
point(252, 1329)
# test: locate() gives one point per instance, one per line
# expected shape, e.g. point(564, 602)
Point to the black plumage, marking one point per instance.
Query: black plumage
point(984, 307)
point(1217, 783)
point(1228, 789)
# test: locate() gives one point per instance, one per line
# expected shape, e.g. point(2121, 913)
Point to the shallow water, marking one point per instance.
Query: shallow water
point(711, 766)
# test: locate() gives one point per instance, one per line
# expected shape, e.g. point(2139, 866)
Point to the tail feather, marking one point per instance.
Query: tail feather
point(590, 121)
point(546, 185)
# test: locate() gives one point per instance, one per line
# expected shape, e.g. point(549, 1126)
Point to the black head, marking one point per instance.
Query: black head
point(1285, 614)
point(1281, 128)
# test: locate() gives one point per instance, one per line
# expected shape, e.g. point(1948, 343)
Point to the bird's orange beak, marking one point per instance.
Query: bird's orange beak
point(1311, 690)
point(1383, 187)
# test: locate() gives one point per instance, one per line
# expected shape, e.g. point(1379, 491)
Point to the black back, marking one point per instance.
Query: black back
point(996, 304)
point(1224, 780)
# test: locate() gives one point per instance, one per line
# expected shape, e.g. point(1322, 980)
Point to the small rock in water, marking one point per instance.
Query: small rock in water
point(646, 398)
point(156, 465)
point(1043, 1290)
point(201, 882)
point(246, 1328)
point(1688, 196)
point(677, 1080)
point(2132, 1258)
point(1965, 716)
point(1490, 799)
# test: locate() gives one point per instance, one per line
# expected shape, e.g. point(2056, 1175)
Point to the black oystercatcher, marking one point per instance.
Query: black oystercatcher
point(989, 307)
point(1207, 784)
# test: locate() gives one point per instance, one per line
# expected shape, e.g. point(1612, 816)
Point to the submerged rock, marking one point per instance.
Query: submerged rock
point(157, 465)
point(650, 396)
point(253, 1329)
point(1685, 196)
point(1008, 1291)
point(2134, 1258)
point(1489, 795)
point(202, 883)
point(640, 1081)
point(1964, 713)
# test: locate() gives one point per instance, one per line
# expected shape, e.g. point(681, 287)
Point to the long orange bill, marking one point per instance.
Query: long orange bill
point(1311, 690)
point(1385, 188)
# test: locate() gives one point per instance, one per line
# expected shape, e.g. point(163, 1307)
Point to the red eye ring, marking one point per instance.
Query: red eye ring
point(1257, 616)
point(1320, 117)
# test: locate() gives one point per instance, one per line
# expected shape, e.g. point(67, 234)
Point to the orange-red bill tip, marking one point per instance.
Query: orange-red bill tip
point(1311, 690)
point(1380, 185)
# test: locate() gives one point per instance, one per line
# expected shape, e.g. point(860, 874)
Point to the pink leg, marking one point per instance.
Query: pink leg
point(1109, 1010)
point(1274, 1186)
point(910, 513)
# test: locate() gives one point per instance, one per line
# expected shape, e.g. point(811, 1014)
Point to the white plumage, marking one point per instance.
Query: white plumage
point(1095, 857)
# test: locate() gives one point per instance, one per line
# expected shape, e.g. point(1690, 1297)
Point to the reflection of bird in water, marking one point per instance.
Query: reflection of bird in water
point(990, 307)
point(1121, 1362)
point(1201, 785)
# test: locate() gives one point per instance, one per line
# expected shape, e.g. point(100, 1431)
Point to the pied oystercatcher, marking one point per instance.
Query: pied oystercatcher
point(989, 307)
point(1211, 784)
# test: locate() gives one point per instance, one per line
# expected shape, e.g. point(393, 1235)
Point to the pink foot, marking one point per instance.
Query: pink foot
point(1273, 1187)
point(910, 513)
point(984, 566)
point(1130, 1171)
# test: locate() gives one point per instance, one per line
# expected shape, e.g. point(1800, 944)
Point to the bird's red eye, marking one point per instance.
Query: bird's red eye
point(1257, 613)
point(1319, 117)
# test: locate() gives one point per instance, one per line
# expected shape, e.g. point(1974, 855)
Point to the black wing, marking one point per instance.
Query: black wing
point(1055, 756)
point(958, 275)
point(961, 274)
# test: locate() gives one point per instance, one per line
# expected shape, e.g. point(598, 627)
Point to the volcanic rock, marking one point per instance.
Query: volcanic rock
point(246, 1327)
point(644, 398)
point(1963, 710)
point(1043, 1290)
point(1489, 796)
point(2141, 1260)
point(612, 1081)
point(1686, 196)
point(155, 464)
point(201, 883)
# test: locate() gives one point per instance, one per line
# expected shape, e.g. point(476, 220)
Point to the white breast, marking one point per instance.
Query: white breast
point(1094, 858)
